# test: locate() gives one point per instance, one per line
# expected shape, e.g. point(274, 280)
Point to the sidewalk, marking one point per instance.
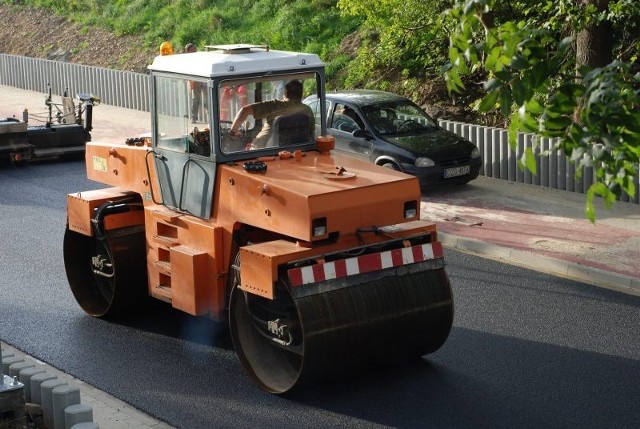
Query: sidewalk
point(542, 229)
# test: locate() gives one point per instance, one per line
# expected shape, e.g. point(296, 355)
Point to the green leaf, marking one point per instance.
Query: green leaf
point(488, 102)
point(519, 63)
point(577, 153)
point(630, 188)
point(534, 107)
point(528, 123)
point(492, 59)
point(598, 188)
point(560, 123)
point(514, 129)
point(492, 85)
point(453, 81)
point(519, 92)
point(471, 6)
point(566, 43)
point(506, 101)
point(530, 161)
point(635, 150)
point(589, 209)
point(632, 125)
point(572, 90)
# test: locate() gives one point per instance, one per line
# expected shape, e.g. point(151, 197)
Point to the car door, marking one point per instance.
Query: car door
point(344, 120)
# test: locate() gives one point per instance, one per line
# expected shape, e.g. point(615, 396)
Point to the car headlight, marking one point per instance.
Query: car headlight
point(424, 162)
point(475, 153)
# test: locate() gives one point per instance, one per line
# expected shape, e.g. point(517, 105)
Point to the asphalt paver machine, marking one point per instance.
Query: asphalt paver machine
point(60, 132)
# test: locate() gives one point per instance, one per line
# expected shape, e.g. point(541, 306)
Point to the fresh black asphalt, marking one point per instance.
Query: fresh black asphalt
point(527, 350)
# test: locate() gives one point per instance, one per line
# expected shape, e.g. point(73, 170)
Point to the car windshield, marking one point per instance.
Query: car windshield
point(399, 117)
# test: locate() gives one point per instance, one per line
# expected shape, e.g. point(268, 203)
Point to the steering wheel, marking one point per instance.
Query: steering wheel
point(409, 125)
point(225, 127)
point(232, 143)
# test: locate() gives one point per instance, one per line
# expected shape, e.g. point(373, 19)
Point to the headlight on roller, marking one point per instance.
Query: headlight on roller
point(410, 209)
point(319, 227)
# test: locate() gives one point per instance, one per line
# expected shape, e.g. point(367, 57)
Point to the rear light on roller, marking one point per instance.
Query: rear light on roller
point(410, 209)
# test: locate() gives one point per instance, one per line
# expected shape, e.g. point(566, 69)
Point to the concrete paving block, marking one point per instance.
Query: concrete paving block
point(25, 378)
point(62, 397)
point(36, 386)
point(77, 413)
point(7, 362)
point(14, 369)
point(46, 391)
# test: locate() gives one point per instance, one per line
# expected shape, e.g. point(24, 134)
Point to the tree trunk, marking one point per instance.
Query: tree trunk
point(594, 44)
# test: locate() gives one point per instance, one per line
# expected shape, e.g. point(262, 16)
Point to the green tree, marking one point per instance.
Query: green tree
point(299, 25)
point(401, 42)
point(547, 67)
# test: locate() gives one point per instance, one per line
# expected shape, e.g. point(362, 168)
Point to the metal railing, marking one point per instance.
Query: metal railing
point(131, 90)
point(500, 161)
point(114, 87)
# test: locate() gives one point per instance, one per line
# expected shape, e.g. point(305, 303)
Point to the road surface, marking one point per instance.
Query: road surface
point(527, 350)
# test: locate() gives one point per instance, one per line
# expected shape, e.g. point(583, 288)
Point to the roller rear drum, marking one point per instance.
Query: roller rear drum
point(308, 333)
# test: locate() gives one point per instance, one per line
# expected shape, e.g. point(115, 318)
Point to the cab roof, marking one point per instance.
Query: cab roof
point(230, 60)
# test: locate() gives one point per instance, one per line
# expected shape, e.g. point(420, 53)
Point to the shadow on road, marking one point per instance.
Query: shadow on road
point(473, 382)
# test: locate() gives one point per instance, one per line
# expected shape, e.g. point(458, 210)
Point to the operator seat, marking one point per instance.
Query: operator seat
point(292, 129)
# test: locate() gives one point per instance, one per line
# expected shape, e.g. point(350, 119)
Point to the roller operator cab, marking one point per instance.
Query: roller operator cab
point(318, 262)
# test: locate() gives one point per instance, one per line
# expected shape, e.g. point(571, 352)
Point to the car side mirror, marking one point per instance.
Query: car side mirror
point(362, 134)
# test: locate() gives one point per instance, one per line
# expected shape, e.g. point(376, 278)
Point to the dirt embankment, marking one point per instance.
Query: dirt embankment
point(32, 32)
point(37, 33)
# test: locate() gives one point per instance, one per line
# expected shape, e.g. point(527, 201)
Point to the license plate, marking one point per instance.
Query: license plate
point(456, 171)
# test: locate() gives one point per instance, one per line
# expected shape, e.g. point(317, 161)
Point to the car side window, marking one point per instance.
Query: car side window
point(315, 107)
point(346, 119)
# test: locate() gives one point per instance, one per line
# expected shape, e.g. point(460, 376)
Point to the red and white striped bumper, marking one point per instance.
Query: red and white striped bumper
point(364, 264)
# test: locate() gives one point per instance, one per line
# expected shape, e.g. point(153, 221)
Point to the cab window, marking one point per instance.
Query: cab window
point(176, 129)
point(275, 120)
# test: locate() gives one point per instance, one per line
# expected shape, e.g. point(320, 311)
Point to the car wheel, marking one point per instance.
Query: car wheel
point(390, 165)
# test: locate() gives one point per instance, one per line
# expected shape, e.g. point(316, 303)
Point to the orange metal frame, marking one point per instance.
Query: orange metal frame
point(188, 258)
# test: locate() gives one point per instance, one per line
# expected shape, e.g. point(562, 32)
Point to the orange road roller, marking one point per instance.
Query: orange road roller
point(237, 207)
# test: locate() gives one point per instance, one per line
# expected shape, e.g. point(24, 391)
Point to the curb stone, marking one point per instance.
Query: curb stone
point(565, 269)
